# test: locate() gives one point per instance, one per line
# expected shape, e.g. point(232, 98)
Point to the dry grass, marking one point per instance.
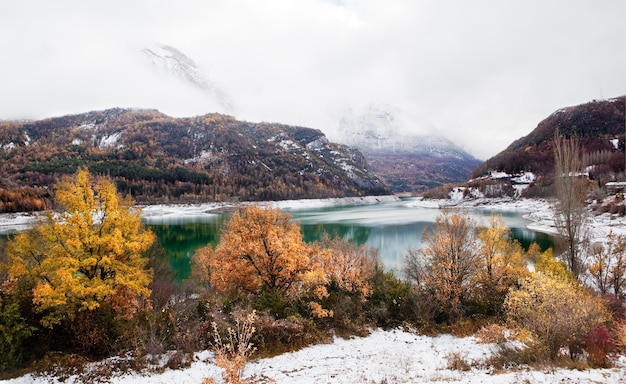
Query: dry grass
point(233, 351)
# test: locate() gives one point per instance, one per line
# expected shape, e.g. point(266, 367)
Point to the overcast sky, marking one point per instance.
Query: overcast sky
point(482, 73)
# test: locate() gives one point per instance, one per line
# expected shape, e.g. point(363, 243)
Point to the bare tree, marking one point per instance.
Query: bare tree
point(608, 266)
point(570, 208)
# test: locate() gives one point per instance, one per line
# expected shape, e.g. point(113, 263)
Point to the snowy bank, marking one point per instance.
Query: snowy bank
point(539, 212)
point(394, 356)
point(10, 222)
point(196, 210)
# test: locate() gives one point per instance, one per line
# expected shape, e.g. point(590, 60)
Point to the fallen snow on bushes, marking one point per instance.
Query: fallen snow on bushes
point(394, 356)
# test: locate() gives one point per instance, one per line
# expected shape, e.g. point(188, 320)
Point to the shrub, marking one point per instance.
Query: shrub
point(620, 339)
point(457, 362)
point(598, 344)
point(510, 354)
point(559, 312)
point(13, 331)
point(274, 336)
point(392, 301)
point(495, 333)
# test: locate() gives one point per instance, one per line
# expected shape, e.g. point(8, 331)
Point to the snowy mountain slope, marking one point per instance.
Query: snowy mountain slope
point(157, 158)
point(408, 162)
point(172, 61)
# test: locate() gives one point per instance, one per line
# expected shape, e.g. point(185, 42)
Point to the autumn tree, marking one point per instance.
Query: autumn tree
point(86, 257)
point(559, 312)
point(501, 264)
point(450, 259)
point(570, 208)
point(608, 266)
point(261, 253)
point(350, 271)
point(350, 267)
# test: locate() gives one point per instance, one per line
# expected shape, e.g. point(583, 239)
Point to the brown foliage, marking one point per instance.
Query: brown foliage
point(349, 266)
point(233, 351)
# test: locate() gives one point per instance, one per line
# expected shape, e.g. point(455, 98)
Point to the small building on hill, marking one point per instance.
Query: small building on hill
point(616, 187)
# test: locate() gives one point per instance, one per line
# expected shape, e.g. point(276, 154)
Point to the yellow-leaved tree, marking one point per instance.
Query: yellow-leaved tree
point(502, 264)
point(85, 257)
point(558, 311)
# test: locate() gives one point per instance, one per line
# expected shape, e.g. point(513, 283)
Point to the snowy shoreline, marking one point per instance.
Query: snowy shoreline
point(538, 212)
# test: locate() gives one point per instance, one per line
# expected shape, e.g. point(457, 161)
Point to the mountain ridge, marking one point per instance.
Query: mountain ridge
point(407, 162)
point(157, 158)
point(596, 124)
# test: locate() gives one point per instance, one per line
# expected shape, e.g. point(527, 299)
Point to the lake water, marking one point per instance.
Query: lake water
point(392, 228)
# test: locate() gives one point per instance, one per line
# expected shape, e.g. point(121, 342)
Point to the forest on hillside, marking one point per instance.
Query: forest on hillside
point(158, 159)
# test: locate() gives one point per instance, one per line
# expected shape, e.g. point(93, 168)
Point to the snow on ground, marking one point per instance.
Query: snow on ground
point(394, 356)
point(188, 210)
point(10, 222)
point(538, 211)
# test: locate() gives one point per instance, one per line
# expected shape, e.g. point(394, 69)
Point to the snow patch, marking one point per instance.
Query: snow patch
point(318, 144)
point(87, 126)
point(110, 140)
point(8, 147)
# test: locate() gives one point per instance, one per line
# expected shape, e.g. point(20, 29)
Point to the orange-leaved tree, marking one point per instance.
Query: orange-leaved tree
point(350, 267)
point(262, 253)
point(85, 257)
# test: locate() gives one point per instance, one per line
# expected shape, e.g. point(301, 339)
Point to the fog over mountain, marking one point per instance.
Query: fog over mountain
point(409, 162)
point(170, 60)
point(479, 73)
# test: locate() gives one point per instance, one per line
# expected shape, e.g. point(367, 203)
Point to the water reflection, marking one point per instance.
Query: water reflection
point(181, 237)
point(392, 228)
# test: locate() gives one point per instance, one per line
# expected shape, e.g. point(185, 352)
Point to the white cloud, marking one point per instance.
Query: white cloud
point(483, 73)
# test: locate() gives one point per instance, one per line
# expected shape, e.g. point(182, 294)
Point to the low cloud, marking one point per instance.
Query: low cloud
point(481, 73)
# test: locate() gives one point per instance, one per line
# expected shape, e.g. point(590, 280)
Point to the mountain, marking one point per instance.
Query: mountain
point(406, 162)
point(157, 158)
point(599, 126)
point(172, 61)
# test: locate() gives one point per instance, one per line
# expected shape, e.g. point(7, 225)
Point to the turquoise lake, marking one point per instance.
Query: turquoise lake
point(393, 228)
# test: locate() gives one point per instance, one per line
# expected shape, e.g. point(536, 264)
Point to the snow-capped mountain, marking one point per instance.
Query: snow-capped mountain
point(383, 128)
point(170, 60)
point(408, 162)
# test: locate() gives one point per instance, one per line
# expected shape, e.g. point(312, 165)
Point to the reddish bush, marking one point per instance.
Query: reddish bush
point(598, 344)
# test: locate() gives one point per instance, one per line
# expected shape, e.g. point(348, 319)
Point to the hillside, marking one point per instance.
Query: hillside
point(408, 162)
point(157, 158)
point(599, 125)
